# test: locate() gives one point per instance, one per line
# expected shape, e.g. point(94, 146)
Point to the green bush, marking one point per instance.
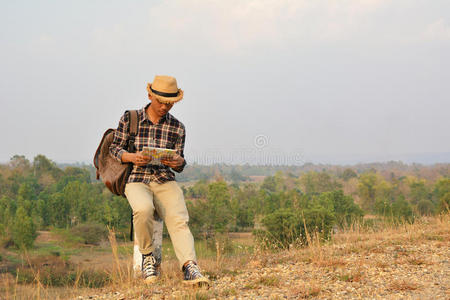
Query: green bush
point(286, 227)
point(281, 228)
point(398, 211)
point(402, 210)
point(319, 219)
point(4, 237)
point(444, 203)
point(383, 207)
point(345, 209)
point(442, 194)
point(90, 233)
point(425, 207)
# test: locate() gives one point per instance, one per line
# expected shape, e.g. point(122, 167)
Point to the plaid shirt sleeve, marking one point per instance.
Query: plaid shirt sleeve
point(119, 143)
point(179, 147)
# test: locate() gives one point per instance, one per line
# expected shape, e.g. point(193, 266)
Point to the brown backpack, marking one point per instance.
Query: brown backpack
point(113, 173)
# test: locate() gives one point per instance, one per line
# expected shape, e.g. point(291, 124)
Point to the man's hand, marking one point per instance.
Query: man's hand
point(175, 162)
point(136, 158)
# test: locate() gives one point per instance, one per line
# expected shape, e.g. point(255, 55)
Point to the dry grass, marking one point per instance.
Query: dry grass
point(269, 281)
point(352, 276)
point(418, 261)
point(305, 291)
point(400, 286)
point(331, 262)
point(346, 260)
point(381, 264)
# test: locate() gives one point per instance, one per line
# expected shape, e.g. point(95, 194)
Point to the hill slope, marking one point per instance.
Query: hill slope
point(412, 261)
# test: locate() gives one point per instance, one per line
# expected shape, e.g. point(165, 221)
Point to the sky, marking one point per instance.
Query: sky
point(265, 81)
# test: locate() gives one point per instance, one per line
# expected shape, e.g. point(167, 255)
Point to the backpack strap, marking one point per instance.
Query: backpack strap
point(133, 117)
point(133, 128)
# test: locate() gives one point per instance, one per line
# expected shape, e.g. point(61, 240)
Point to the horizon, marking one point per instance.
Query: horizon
point(427, 160)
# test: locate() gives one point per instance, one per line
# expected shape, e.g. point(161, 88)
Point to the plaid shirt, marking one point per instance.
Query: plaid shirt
point(168, 133)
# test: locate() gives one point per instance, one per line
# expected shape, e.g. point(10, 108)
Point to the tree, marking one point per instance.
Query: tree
point(218, 206)
point(315, 183)
point(24, 230)
point(20, 163)
point(26, 195)
point(344, 208)
point(402, 210)
point(60, 210)
point(235, 176)
point(214, 213)
point(242, 215)
point(425, 207)
point(366, 190)
point(348, 174)
point(198, 190)
point(373, 189)
point(3, 185)
point(78, 174)
point(282, 228)
point(418, 191)
point(269, 184)
point(442, 194)
point(7, 210)
point(42, 165)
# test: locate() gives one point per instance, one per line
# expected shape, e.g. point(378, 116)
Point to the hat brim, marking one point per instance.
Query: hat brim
point(162, 99)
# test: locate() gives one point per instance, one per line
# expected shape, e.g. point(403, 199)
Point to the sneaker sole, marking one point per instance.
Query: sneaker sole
point(151, 279)
point(199, 281)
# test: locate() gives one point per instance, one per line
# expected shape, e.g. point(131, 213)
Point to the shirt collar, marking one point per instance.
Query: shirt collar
point(143, 116)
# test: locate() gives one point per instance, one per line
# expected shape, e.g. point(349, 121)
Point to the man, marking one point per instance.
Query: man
point(153, 187)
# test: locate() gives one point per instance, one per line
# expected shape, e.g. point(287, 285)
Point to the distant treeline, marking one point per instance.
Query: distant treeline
point(194, 172)
point(286, 204)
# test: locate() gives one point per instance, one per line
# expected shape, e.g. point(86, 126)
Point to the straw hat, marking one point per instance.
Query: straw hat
point(165, 89)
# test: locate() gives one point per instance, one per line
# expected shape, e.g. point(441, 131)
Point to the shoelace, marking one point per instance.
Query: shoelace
point(149, 266)
point(192, 271)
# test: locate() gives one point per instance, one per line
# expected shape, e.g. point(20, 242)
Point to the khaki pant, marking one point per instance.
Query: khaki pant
point(168, 201)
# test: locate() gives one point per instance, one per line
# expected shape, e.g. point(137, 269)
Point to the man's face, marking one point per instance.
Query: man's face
point(160, 108)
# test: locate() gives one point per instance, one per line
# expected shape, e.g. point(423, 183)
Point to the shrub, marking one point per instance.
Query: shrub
point(286, 227)
point(319, 219)
point(345, 209)
point(348, 174)
point(444, 203)
point(398, 211)
point(4, 236)
point(383, 207)
point(442, 194)
point(402, 210)
point(90, 233)
point(282, 228)
point(425, 207)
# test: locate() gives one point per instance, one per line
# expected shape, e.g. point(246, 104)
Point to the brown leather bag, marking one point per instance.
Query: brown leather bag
point(113, 173)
